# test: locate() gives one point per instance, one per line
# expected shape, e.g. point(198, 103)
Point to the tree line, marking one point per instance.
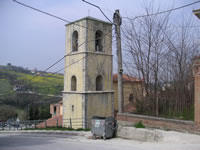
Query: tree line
point(160, 53)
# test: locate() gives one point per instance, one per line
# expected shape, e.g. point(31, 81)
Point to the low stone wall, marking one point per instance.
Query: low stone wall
point(126, 119)
point(144, 135)
point(51, 122)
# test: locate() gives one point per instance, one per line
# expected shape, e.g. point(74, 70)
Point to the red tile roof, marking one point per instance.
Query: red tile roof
point(196, 57)
point(126, 78)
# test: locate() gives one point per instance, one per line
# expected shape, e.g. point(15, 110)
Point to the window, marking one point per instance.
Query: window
point(72, 108)
point(73, 83)
point(98, 41)
point(130, 98)
point(75, 41)
point(99, 83)
point(54, 110)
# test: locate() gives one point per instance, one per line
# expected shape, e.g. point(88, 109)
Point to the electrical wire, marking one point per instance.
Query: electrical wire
point(163, 11)
point(64, 21)
point(70, 65)
point(76, 62)
point(103, 12)
point(54, 16)
point(99, 9)
point(25, 5)
point(71, 52)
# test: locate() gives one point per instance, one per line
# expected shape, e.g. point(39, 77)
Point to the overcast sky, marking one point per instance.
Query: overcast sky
point(35, 40)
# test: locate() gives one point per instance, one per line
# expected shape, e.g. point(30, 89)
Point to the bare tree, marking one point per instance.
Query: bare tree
point(183, 46)
point(161, 54)
point(144, 41)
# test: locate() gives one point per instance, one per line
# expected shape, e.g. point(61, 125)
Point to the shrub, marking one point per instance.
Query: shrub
point(139, 125)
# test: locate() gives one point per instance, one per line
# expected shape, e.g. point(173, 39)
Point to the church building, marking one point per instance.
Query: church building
point(88, 89)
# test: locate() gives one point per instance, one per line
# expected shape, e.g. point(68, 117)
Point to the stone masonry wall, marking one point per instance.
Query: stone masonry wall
point(196, 72)
point(126, 119)
point(157, 122)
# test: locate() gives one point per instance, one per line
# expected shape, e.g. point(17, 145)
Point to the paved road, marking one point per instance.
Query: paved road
point(36, 141)
point(54, 142)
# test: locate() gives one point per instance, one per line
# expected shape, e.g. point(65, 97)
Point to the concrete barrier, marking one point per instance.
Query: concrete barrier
point(140, 134)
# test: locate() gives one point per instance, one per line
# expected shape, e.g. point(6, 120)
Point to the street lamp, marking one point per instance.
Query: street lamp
point(197, 13)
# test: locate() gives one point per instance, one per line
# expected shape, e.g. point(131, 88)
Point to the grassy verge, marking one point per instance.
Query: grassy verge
point(139, 125)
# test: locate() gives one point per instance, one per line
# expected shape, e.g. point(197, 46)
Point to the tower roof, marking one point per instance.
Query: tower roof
point(89, 18)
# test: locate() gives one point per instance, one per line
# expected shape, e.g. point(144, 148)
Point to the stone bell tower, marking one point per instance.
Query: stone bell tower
point(88, 71)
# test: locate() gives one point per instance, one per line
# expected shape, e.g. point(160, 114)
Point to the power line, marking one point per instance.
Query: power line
point(79, 61)
point(46, 13)
point(70, 53)
point(70, 65)
point(76, 62)
point(82, 59)
point(163, 11)
point(177, 26)
point(62, 20)
point(67, 22)
point(50, 66)
point(54, 63)
point(99, 9)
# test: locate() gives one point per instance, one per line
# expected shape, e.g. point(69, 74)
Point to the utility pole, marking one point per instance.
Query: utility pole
point(117, 22)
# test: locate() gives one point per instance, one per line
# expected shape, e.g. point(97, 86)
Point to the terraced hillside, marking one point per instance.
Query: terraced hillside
point(22, 89)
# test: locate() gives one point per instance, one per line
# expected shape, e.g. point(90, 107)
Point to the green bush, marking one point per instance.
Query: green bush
point(139, 125)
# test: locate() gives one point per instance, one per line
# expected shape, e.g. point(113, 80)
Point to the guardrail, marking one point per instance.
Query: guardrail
point(20, 125)
point(52, 122)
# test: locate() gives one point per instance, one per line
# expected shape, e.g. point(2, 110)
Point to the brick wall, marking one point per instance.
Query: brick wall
point(51, 122)
point(134, 88)
point(197, 99)
point(196, 72)
point(157, 122)
point(56, 109)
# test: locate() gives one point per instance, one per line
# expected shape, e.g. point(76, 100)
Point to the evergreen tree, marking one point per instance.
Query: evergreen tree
point(31, 114)
point(36, 114)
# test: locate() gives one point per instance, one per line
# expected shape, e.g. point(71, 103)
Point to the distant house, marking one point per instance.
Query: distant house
point(19, 88)
point(56, 109)
point(132, 92)
point(33, 71)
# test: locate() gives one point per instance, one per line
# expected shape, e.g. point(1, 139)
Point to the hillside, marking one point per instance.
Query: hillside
point(22, 88)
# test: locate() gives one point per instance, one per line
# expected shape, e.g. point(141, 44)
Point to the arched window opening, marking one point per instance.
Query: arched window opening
point(130, 98)
point(54, 111)
point(98, 41)
point(99, 83)
point(73, 83)
point(75, 41)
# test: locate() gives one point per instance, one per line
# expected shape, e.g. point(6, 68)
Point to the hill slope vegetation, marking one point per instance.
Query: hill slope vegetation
point(24, 90)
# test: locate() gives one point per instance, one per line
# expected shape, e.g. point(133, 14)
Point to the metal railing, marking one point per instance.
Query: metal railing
point(169, 108)
point(77, 123)
point(53, 122)
point(13, 125)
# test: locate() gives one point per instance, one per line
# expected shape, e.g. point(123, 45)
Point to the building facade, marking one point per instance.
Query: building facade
point(133, 92)
point(88, 71)
point(56, 109)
